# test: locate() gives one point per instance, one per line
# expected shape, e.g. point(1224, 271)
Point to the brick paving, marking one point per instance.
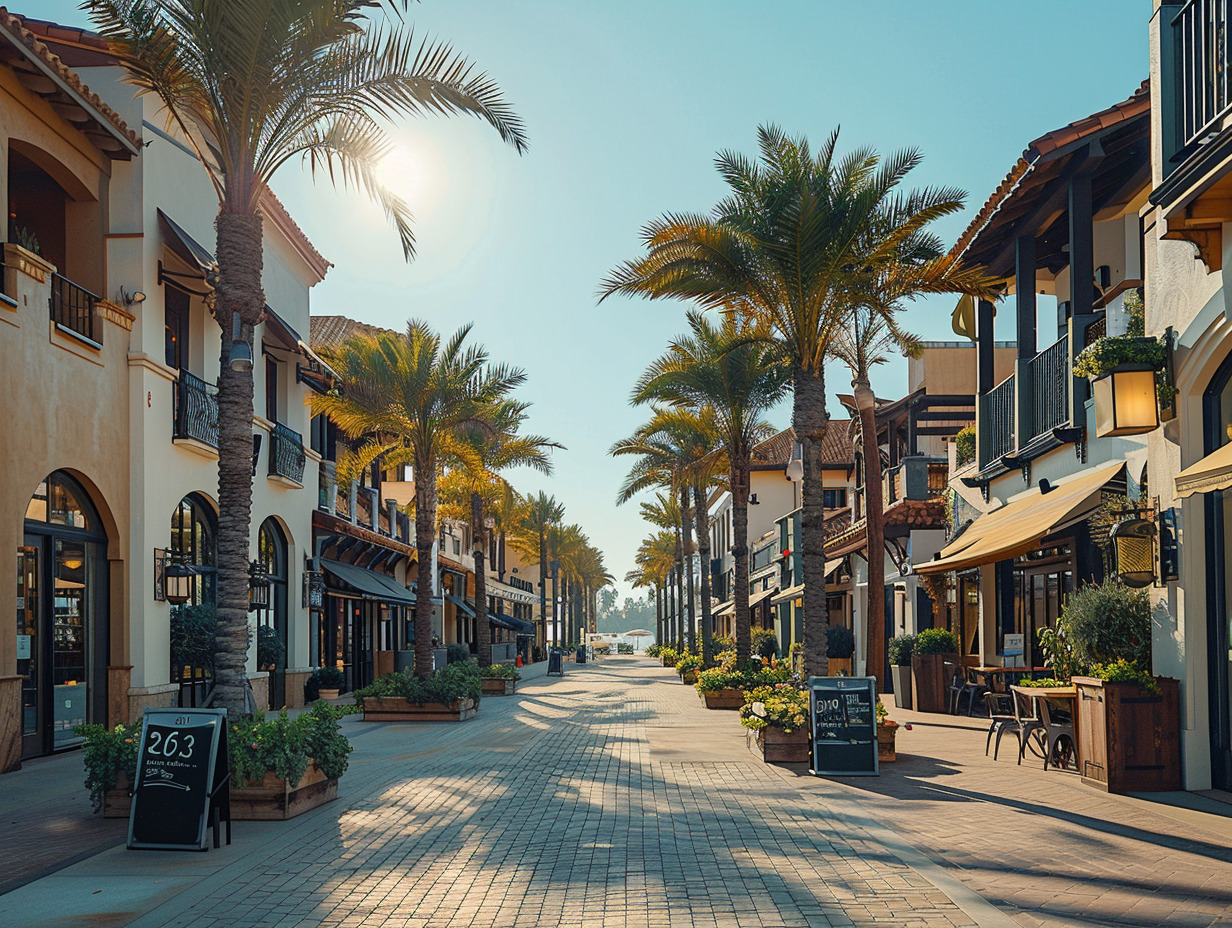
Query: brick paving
point(612, 797)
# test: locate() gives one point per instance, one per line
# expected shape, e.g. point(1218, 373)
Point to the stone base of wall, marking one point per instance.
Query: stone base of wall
point(141, 698)
point(10, 724)
point(295, 687)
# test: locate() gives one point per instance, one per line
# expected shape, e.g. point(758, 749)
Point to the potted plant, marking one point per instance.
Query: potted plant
point(328, 682)
point(688, 666)
point(887, 729)
point(722, 688)
point(111, 766)
point(779, 714)
point(669, 655)
point(934, 648)
point(499, 679)
point(900, 651)
point(449, 695)
point(964, 446)
point(270, 650)
point(840, 647)
point(763, 643)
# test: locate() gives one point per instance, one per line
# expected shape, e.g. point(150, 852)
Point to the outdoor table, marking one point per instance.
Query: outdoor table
point(1014, 674)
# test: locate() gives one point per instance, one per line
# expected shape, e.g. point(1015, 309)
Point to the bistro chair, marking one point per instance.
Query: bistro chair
point(973, 687)
point(1029, 724)
point(1058, 730)
point(1001, 714)
point(954, 674)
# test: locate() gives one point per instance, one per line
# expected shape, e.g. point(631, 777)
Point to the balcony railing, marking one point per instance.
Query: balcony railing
point(286, 453)
point(996, 423)
point(196, 409)
point(72, 307)
point(1050, 383)
point(1202, 40)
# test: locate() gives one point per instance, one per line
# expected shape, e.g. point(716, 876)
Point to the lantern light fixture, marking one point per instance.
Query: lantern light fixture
point(1125, 402)
point(1133, 549)
point(258, 587)
point(178, 579)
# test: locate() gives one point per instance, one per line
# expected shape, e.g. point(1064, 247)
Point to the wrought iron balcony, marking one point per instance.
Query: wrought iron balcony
point(72, 307)
point(1050, 385)
point(196, 409)
point(1201, 30)
point(996, 422)
point(286, 457)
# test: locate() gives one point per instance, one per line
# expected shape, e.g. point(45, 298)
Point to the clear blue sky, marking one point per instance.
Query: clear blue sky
point(626, 105)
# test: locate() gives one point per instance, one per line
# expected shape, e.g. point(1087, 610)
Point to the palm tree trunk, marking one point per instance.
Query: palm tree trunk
point(686, 531)
point(702, 518)
point(874, 504)
point(679, 590)
point(738, 476)
point(483, 627)
point(425, 537)
point(239, 293)
point(810, 420)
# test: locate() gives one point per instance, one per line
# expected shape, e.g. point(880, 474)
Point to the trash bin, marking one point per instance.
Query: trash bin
point(581, 655)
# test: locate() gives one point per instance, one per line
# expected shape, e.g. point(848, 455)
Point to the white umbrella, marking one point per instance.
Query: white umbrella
point(638, 633)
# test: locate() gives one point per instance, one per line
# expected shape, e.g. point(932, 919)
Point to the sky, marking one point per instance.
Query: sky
point(625, 106)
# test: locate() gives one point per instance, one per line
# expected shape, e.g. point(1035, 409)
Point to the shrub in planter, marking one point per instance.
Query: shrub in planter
point(669, 655)
point(459, 680)
point(900, 650)
point(110, 757)
point(840, 642)
point(933, 646)
point(1106, 622)
point(716, 679)
point(936, 641)
point(324, 678)
point(455, 653)
point(689, 663)
point(780, 705)
point(284, 746)
point(499, 679)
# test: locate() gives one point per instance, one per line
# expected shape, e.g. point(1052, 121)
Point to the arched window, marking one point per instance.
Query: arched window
point(194, 538)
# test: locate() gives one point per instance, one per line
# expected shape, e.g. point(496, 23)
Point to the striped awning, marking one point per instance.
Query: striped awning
point(1213, 472)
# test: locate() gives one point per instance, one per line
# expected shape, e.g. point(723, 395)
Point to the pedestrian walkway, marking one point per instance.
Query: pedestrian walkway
point(613, 797)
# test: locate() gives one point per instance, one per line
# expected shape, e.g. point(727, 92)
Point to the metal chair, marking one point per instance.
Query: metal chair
point(957, 682)
point(1029, 725)
point(973, 688)
point(1001, 712)
point(1058, 728)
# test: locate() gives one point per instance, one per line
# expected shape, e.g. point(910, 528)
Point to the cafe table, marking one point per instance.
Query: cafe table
point(1040, 696)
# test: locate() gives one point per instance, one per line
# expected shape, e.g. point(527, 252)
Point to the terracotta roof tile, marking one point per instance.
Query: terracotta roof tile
point(328, 333)
point(777, 450)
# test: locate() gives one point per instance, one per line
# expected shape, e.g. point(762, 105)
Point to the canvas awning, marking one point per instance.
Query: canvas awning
point(517, 625)
point(757, 598)
point(461, 604)
point(1020, 525)
point(788, 594)
point(1213, 472)
point(724, 608)
point(368, 583)
point(187, 247)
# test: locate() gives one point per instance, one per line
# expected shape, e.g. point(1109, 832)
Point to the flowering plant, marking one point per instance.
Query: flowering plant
point(883, 715)
point(780, 705)
point(688, 662)
point(107, 754)
point(715, 679)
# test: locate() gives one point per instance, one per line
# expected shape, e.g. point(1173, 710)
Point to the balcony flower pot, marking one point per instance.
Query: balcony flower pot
point(885, 741)
point(273, 799)
point(1128, 736)
point(929, 688)
point(723, 699)
point(781, 747)
point(397, 709)
point(497, 686)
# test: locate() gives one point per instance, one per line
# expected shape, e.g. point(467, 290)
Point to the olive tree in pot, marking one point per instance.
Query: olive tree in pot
point(934, 648)
point(841, 647)
point(900, 652)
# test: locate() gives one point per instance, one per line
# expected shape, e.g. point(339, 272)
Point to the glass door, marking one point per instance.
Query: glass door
point(70, 619)
point(29, 644)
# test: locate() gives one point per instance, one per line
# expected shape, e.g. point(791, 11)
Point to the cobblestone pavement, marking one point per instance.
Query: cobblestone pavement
point(612, 797)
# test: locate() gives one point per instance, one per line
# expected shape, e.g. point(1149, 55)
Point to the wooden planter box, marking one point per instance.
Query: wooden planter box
point(930, 690)
point(499, 687)
point(836, 666)
point(780, 747)
point(885, 743)
point(689, 677)
point(724, 699)
point(1128, 738)
point(268, 800)
point(397, 709)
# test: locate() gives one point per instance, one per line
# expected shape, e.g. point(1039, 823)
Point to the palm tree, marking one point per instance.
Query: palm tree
point(493, 448)
point(251, 85)
point(663, 512)
point(418, 400)
point(736, 377)
point(530, 538)
point(790, 247)
point(654, 559)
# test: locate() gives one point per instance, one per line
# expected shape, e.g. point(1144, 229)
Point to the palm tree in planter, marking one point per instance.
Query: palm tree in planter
point(495, 446)
point(790, 247)
point(736, 377)
point(417, 399)
point(250, 85)
point(530, 538)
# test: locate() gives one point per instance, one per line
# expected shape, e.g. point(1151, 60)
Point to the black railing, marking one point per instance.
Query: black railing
point(1202, 41)
point(286, 453)
point(1051, 373)
point(73, 308)
point(196, 409)
point(996, 426)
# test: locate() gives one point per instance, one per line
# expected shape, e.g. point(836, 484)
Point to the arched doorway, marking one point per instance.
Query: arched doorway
point(1217, 410)
point(62, 618)
point(272, 619)
point(194, 533)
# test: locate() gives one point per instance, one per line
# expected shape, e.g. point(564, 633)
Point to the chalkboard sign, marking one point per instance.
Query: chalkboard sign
point(844, 718)
point(556, 662)
point(182, 774)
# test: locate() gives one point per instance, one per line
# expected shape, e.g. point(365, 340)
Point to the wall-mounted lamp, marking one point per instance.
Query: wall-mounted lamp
point(753, 500)
point(1133, 549)
point(131, 299)
point(258, 587)
point(1125, 402)
point(795, 470)
point(240, 358)
point(178, 578)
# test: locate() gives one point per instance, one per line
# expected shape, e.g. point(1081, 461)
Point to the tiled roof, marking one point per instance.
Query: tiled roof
point(900, 517)
point(276, 213)
point(30, 34)
point(836, 447)
point(328, 333)
point(1139, 102)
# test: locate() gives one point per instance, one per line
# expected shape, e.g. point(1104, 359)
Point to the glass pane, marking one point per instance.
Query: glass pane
point(28, 592)
point(36, 510)
point(64, 508)
point(70, 617)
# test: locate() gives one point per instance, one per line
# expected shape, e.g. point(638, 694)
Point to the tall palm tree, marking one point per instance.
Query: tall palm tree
point(655, 557)
point(789, 247)
point(530, 538)
point(418, 400)
point(736, 377)
point(251, 85)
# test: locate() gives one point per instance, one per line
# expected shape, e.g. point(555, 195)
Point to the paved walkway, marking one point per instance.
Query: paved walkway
point(611, 797)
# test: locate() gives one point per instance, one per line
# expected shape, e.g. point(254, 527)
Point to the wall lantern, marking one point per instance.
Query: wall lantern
point(1125, 402)
point(1133, 551)
point(258, 587)
point(178, 580)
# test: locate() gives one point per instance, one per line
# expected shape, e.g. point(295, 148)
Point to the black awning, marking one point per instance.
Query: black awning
point(368, 583)
point(502, 621)
point(184, 245)
point(517, 625)
point(461, 604)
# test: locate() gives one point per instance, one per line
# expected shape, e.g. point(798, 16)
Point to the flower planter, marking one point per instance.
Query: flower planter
point(780, 747)
point(885, 742)
point(397, 709)
point(268, 800)
point(901, 675)
point(326, 694)
point(929, 687)
point(499, 686)
point(723, 699)
point(1128, 737)
point(667, 662)
point(689, 677)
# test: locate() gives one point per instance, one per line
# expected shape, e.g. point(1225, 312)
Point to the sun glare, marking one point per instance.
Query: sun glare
point(414, 172)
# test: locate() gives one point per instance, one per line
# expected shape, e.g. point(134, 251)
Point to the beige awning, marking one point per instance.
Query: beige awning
point(790, 593)
point(1020, 525)
point(724, 608)
point(756, 598)
point(1213, 472)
